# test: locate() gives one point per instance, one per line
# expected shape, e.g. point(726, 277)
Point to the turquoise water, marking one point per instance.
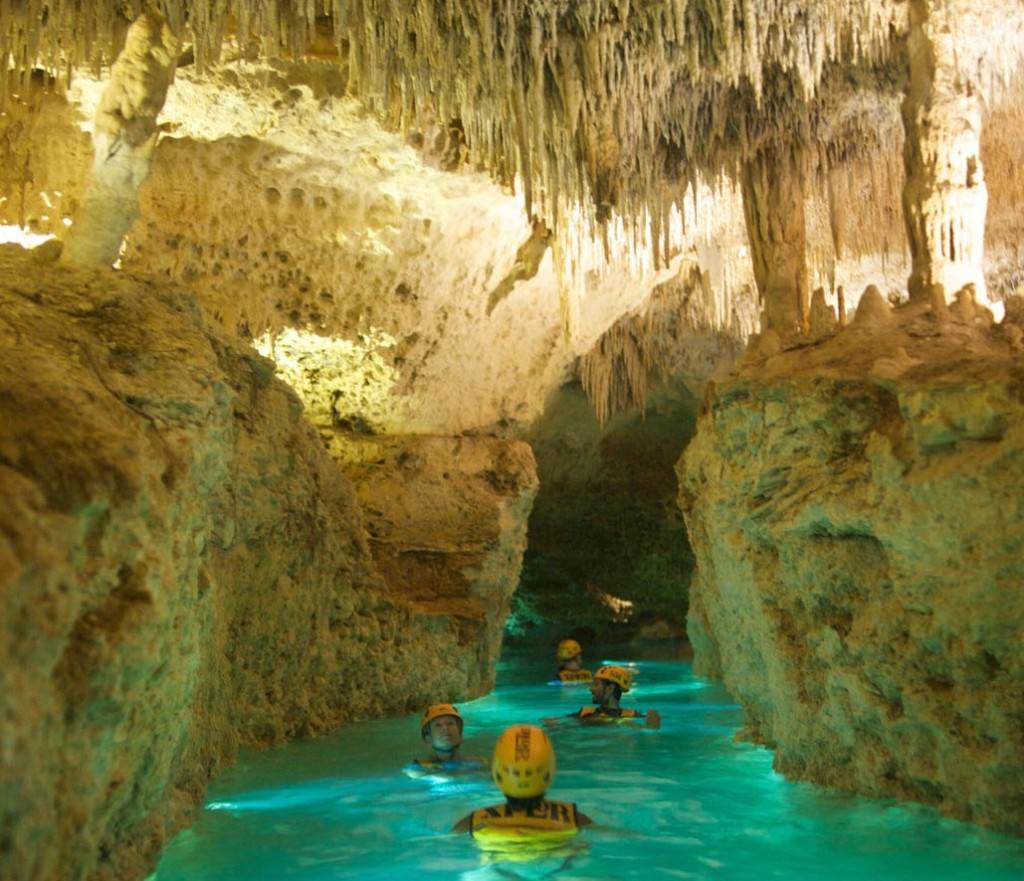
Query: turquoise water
point(683, 802)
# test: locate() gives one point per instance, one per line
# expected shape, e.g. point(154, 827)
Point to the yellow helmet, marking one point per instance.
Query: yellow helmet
point(524, 761)
point(619, 675)
point(568, 648)
point(435, 710)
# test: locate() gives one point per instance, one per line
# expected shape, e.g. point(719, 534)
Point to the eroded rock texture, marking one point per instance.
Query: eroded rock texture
point(183, 569)
point(856, 510)
point(446, 518)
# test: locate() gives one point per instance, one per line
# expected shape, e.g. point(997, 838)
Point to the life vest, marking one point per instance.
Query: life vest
point(570, 677)
point(599, 714)
point(547, 826)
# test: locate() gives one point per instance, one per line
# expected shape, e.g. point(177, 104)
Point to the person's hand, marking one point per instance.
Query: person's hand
point(653, 719)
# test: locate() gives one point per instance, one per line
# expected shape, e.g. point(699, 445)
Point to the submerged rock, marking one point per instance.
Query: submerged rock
point(859, 538)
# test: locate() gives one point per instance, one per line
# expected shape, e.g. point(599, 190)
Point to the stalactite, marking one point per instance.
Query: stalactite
point(124, 136)
point(605, 112)
point(554, 93)
point(944, 197)
point(644, 349)
point(774, 206)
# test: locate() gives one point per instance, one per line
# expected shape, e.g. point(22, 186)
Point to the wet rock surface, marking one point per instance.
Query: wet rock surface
point(855, 508)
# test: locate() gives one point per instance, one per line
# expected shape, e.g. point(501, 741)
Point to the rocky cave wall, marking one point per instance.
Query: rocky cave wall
point(184, 570)
point(855, 507)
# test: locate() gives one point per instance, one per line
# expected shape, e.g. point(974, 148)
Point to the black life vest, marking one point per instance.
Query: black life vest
point(609, 714)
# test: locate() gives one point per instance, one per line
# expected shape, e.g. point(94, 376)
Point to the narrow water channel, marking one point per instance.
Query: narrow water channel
point(683, 802)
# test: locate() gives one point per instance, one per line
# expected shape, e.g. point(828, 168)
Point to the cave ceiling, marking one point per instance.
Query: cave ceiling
point(611, 104)
point(637, 118)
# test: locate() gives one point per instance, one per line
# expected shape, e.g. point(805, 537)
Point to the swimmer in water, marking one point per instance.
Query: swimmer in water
point(570, 663)
point(441, 730)
point(523, 767)
point(610, 683)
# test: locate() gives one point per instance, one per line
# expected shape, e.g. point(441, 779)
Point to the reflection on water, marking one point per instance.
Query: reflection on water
point(683, 802)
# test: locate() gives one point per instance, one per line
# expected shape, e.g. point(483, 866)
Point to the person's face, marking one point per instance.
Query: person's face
point(573, 663)
point(598, 690)
point(443, 733)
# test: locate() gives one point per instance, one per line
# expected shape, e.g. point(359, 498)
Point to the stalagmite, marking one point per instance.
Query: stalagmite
point(873, 309)
point(944, 198)
point(822, 317)
point(123, 141)
point(966, 308)
point(528, 258)
point(773, 205)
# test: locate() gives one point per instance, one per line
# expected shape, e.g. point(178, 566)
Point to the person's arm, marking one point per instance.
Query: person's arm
point(555, 721)
point(415, 770)
point(582, 819)
point(464, 825)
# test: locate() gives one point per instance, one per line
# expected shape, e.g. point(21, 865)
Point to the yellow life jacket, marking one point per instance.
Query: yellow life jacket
point(575, 675)
point(545, 827)
point(596, 714)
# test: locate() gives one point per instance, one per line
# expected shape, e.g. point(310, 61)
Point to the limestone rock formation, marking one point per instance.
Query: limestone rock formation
point(595, 148)
point(183, 569)
point(858, 534)
point(446, 518)
point(124, 135)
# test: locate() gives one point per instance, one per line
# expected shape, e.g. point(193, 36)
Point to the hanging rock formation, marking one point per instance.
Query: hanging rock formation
point(124, 136)
point(857, 515)
point(773, 203)
point(944, 197)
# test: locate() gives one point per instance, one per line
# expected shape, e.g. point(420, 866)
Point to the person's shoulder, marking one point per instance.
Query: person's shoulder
point(566, 812)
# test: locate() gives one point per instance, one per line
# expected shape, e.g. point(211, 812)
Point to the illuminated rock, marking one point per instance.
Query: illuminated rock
point(183, 570)
point(858, 519)
point(945, 197)
point(599, 147)
point(124, 136)
point(446, 520)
